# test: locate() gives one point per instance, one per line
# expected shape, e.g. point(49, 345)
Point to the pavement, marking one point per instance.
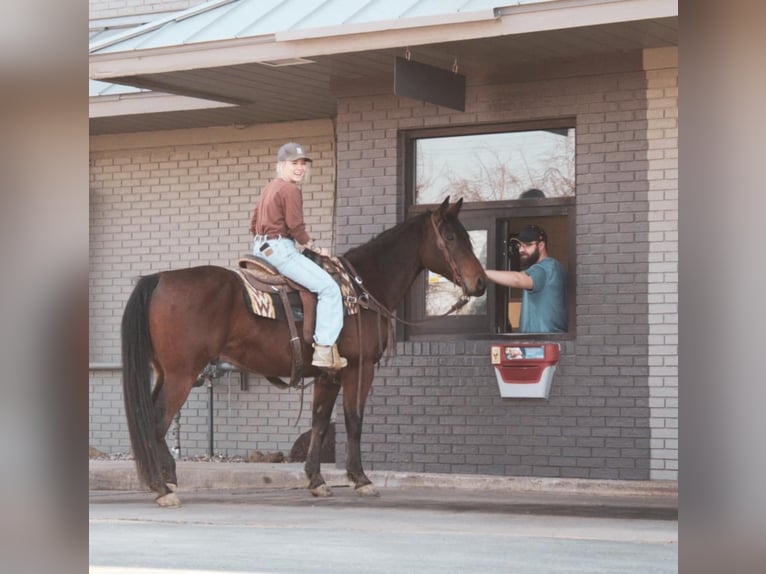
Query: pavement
point(562, 496)
point(258, 518)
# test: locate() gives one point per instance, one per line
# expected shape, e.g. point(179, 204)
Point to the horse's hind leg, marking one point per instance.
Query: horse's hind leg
point(167, 462)
point(325, 392)
point(169, 395)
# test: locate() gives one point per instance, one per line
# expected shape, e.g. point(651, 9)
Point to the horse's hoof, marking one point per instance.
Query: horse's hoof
point(169, 500)
point(171, 486)
point(321, 491)
point(367, 490)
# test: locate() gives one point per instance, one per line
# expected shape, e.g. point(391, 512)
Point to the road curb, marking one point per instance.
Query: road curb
point(122, 476)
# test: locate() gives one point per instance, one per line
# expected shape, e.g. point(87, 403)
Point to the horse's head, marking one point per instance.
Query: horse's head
point(450, 252)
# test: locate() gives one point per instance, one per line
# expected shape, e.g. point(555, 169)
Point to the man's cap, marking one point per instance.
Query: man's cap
point(291, 152)
point(531, 233)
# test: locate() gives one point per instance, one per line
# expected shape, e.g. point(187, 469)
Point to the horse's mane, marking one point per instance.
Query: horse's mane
point(385, 237)
point(406, 228)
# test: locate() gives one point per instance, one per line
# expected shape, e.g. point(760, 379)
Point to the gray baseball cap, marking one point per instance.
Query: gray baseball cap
point(292, 151)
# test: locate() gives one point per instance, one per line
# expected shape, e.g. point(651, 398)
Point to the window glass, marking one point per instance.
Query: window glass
point(495, 166)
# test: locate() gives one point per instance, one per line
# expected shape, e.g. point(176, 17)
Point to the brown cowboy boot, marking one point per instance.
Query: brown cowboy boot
point(327, 357)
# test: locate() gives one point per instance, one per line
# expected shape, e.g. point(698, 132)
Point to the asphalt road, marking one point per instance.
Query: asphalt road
point(418, 530)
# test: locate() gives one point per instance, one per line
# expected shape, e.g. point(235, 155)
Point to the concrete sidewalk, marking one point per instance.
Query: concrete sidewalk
point(107, 475)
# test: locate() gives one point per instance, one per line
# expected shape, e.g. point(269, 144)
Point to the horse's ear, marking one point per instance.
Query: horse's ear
point(455, 207)
point(444, 206)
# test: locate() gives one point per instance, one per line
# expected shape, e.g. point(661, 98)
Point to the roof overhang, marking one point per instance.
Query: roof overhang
point(250, 80)
point(147, 103)
point(382, 35)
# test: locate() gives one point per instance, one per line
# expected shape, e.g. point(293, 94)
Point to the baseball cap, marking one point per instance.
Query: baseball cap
point(531, 233)
point(292, 151)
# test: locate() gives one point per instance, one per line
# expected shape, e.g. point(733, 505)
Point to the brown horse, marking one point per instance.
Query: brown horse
point(178, 321)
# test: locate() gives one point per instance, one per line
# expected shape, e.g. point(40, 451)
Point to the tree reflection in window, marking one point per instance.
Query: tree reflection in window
point(495, 166)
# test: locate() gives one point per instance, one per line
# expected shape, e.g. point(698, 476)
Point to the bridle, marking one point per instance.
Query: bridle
point(458, 278)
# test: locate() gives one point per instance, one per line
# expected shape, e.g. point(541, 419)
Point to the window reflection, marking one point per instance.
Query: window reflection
point(496, 166)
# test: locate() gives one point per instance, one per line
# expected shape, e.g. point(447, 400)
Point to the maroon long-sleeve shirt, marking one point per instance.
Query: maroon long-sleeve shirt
point(280, 212)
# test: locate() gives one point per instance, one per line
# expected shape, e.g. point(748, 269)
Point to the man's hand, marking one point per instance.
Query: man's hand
point(517, 279)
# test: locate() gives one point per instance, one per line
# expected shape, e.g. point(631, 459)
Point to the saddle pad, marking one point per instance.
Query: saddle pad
point(265, 302)
point(347, 290)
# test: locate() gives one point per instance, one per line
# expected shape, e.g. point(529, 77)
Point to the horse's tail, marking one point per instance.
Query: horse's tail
point(136, 382)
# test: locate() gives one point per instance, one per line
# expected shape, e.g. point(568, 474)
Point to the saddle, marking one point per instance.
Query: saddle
point(272, 295)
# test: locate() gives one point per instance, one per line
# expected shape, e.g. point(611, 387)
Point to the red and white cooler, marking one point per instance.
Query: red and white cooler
point(524, 369)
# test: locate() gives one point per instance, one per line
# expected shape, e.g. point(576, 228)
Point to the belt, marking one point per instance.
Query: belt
point(258, 237)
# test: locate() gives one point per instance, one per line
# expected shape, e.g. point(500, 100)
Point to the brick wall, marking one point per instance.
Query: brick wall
point(435, 406)
point(155, 206)
point(662, 140)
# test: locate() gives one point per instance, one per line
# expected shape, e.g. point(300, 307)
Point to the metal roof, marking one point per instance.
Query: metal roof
point(97, 88)
point(108, 99)
point(98, 34)
point(217, 20)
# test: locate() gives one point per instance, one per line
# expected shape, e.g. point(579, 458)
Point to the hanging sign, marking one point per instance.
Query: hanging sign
point(429, 84)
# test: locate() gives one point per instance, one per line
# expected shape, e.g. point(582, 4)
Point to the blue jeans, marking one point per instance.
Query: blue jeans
point(292, 264)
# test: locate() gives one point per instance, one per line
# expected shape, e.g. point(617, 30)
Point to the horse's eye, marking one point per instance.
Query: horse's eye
point(449, 236)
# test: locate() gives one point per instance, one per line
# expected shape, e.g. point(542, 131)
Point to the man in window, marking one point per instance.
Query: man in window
point(543, 281)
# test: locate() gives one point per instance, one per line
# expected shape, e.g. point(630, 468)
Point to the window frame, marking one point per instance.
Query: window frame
point(487, 215)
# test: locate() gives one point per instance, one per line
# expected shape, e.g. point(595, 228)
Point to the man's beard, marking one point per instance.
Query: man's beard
point(532, 259)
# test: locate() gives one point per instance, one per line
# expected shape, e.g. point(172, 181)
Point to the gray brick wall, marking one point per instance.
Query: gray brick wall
point(260, 418)
point(155, 206)
point(662, 152)
point(435, 407)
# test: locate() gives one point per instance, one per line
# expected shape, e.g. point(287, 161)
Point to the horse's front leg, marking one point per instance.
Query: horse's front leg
point(355, 391)
point(325, 392)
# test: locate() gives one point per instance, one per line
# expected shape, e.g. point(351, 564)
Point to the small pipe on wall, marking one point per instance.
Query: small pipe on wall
point(104, 366)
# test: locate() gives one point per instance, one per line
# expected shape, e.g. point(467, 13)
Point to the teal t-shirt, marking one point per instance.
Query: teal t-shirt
point(544, 307)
